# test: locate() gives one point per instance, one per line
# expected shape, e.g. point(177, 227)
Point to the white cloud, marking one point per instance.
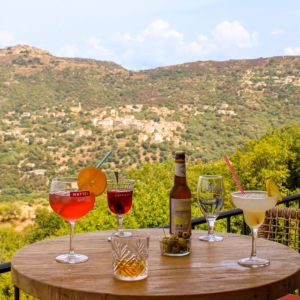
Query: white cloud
point(6, 38)
point(159, 29)
point(200, 47)
point(233, 34)
point(92, 48)
point(96, 45)
point(158, 44)
point(123, 37)
point(292, 51)
point(71, 50)
point(277, 32)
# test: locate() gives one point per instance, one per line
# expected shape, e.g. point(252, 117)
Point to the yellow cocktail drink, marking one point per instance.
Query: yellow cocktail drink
point(254, 205)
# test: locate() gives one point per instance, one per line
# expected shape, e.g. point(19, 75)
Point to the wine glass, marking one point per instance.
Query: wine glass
point(210, 195)
point(71, 204)
point(119, 196)
point(254, 205)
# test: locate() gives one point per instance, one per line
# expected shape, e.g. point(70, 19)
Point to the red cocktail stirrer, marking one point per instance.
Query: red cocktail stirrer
point(236, 180)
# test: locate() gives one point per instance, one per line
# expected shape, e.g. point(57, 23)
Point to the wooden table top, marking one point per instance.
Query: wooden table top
point(209, 272)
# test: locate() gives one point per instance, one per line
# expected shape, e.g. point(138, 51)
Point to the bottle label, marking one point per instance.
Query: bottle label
point(80, 194)
point(181, 216)
point(180, 170)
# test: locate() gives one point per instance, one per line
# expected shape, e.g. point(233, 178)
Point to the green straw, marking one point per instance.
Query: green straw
point(103, 160)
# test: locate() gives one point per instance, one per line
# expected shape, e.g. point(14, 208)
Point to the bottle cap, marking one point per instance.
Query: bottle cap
point(180, 156)
point(179, 153)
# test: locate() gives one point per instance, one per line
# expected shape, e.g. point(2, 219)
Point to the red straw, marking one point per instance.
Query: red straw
point(236, 180)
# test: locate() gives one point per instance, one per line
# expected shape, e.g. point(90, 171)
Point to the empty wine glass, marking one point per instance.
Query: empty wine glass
point(210, 195)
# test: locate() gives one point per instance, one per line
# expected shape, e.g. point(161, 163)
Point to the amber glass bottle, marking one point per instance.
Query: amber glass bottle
point(180, 200)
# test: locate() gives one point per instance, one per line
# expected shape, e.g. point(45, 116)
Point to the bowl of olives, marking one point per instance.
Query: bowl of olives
point(175, 245)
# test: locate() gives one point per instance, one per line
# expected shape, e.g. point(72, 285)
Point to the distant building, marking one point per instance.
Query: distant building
point(106, 124)
point(38, 172)
point(41, 140)
point(60, 114)
point(224, 106)
point(81, 132)
point(70, 132)
point(157, 138)
point(226, 112)
point(26, 115)
point(30, 165)
point(76, 109)
point(14, 132)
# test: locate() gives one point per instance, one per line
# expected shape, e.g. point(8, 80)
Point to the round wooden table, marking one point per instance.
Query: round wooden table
point(209, 272)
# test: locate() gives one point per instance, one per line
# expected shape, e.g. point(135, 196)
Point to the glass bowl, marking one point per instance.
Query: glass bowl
point(175, 246)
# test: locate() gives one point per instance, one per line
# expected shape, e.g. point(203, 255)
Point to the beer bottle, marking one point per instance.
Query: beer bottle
point(180, 200)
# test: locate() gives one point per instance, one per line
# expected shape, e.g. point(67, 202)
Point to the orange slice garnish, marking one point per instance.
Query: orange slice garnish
point(272, 189)
point(92, 179)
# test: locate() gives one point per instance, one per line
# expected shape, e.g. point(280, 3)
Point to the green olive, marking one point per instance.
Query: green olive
point(182, 242)
point(173, 238)
point(174, 244)
point(175, 249)
point(185, 235)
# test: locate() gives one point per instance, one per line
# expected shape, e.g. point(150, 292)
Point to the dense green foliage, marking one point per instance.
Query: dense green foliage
point(276, 156)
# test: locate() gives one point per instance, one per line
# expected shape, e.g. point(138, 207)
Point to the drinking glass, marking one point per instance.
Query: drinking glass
point(254, 205)
point(119, 196)
point(210, 195)
point(71, 204)
point(130, 257)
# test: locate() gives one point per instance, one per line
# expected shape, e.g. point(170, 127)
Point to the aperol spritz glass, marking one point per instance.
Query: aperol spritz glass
point(71, 203)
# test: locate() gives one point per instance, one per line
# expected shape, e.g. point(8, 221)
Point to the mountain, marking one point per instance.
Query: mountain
point(32, 77)
point(58, 114)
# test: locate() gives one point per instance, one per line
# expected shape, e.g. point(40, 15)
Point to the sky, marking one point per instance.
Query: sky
point(145, 34)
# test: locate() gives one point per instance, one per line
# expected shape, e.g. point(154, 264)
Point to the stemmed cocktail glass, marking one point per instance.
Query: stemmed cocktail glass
point(254, 205)
point(210, 195)
point(71, 203)
point(119, 197)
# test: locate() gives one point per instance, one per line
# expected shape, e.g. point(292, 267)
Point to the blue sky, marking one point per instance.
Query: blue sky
point(143, 34)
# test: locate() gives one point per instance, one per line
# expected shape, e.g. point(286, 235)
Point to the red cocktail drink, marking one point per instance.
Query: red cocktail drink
point(119, 201)
point(119, 197)
point(71, 205)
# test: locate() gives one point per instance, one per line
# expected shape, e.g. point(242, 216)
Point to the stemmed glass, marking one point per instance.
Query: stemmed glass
point(71, 204)
point(254, 205)
point(119, 196)
point(210, 195)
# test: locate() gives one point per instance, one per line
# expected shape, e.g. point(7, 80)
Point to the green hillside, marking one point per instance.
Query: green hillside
point(59, 114)
point(276, 155)
point(33, 78)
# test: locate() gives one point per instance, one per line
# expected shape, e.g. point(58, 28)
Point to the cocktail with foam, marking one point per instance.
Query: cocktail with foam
point(254, 205)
